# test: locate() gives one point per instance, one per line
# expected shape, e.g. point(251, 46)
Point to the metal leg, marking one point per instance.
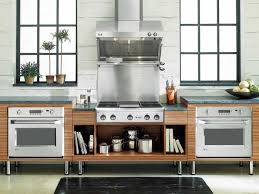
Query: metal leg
point(8, 168)
point(251, 167)
point(241, 164)
point(16, 164)
point(66, 168)
point(180, 167)
point(80, 168)
point(193, 168)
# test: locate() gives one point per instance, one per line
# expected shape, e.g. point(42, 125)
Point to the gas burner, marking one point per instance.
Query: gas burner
point(150, 105)
point(130, 112)
point(107, 105)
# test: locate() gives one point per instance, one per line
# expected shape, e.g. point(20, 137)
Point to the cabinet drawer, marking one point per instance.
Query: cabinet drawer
point(176, 117)
point(84, 118)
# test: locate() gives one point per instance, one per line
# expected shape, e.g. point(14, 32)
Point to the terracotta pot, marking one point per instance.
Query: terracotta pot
point(29, 80)
point(50, 79)
point(60, 78)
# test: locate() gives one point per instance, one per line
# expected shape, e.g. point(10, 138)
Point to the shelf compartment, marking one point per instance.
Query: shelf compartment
point(179, 132)
point(104, 133)
point(86, 131)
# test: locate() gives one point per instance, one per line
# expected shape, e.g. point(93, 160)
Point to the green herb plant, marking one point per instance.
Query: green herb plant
point(48, 46)
point(62, 36)
point(30, 69)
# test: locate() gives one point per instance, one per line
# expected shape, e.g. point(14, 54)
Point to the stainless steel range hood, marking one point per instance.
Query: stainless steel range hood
point(129, 23)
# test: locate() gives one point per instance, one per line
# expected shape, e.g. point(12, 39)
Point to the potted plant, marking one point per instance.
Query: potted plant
point(29, 71)
point(49, 46)
point(62, 37)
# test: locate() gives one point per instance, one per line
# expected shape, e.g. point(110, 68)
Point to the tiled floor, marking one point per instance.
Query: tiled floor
point(43, 179)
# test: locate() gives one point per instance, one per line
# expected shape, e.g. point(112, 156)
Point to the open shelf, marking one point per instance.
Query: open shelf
point(132, 156)
point(179, 133)
point(104, 134)
point(86, 131)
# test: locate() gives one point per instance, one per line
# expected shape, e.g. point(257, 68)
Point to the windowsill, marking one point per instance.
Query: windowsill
point(45, 85)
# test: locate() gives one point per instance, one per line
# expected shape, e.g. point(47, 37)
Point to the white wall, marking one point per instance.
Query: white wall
point(89, 11)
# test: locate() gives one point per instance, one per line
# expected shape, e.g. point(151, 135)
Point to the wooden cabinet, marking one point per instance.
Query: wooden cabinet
point(176, 117)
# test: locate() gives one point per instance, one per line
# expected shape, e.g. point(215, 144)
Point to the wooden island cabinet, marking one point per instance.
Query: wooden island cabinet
point(182, 121)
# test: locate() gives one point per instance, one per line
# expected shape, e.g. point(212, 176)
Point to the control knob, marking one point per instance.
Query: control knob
point(112, 117)
point(102, 117)
point(156, 117)
point(19, 112)
point(130, 117)
point(155, 34)
point(149, 34)
point(51, 112)
point(146, 117)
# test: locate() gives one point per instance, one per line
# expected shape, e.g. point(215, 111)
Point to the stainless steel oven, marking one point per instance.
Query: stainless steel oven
point(36, 132)
point(224, 132)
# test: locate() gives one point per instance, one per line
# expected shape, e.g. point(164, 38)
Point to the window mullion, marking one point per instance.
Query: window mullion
point(57, 42)
point(38, 38)
point(199, 41)
point(218, 43)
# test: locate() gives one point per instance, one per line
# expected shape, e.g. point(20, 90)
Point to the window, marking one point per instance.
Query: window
point(37, 21)
point(210, 42)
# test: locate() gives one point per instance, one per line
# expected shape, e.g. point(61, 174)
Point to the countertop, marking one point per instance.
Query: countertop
point(92, 106)
point(217, 100)
point(37, 100)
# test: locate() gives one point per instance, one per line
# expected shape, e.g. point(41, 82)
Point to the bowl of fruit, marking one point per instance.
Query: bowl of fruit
point(246, 90)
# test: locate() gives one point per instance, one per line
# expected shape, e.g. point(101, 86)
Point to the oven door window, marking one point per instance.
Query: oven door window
point(35, 137)
point(233, 136)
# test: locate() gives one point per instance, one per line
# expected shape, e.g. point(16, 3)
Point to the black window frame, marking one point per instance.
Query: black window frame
point(198, 53)
point(57, 53)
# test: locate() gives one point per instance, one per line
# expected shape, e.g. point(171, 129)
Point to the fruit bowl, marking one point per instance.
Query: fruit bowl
point(243, 95)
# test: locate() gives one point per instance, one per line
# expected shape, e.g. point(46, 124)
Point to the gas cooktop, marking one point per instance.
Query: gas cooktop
point(131, 111)
point(129, 104)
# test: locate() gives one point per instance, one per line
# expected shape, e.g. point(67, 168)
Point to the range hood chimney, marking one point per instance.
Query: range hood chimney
point(129, 10)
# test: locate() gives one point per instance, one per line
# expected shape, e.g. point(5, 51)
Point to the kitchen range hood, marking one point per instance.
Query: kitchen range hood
point(129, 23)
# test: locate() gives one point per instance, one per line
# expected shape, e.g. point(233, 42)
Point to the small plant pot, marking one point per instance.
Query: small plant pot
point(29, 80)
point(60, 78)
point(50, 79)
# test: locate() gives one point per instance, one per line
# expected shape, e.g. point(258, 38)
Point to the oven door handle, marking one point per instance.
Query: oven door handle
point(35, 122)
point(228, 122)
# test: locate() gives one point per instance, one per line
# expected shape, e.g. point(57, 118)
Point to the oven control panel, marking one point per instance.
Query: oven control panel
point(46, 112)
point(224, 111)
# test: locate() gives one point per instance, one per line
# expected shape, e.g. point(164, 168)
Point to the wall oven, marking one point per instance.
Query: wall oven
point(36, 132)
point(224, 132)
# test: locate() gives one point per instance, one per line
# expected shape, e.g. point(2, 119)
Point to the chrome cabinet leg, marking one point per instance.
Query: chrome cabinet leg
point(193, 168)
point(66, 168)
point(180, 167)
point(80, 167)
point(16, 164)
point(251, 167)
point(8, 168)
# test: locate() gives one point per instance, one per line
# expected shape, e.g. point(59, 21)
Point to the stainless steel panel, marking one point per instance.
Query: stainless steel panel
point(128, 82)
point(129, 10)
point(129, 29)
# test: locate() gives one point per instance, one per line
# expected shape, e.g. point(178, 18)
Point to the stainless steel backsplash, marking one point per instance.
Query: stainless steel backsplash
point(128, 82)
